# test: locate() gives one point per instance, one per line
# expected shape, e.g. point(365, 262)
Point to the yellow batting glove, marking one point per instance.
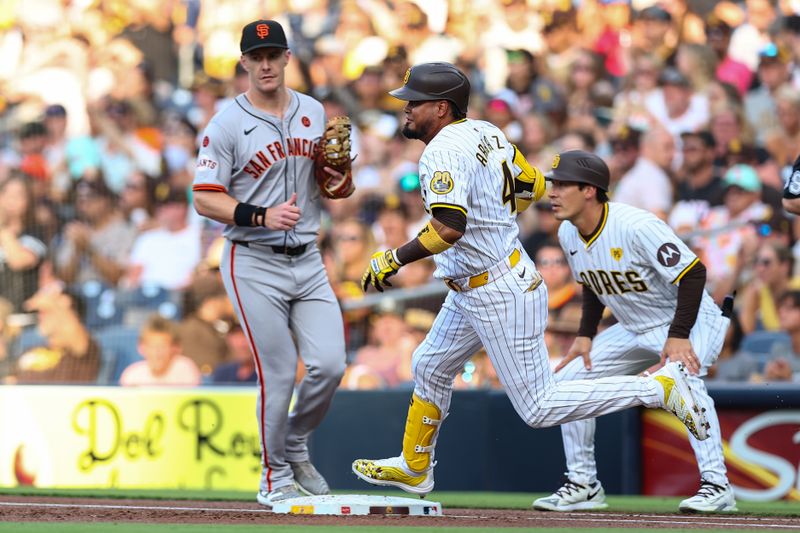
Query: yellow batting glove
point(382, 266)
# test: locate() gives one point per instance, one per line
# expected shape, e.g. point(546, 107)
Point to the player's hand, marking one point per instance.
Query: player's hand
point(283, 216)
point(681, 350)
point(339, 181)
point(381, 266)
point(581, 347)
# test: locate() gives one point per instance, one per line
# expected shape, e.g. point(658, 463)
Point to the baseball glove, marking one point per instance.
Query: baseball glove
point(334, 153)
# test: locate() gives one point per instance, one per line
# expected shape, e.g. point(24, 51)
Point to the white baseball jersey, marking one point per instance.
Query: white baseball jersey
point(633, 263)
point(469, 166)
point(258, 159)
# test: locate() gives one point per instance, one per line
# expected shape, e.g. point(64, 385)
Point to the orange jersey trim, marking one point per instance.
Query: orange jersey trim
point(209, 187)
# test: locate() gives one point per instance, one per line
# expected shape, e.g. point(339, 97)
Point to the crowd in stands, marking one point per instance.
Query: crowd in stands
point(107, 274)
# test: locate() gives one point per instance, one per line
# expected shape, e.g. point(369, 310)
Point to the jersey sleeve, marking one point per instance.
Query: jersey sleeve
point(214, 160)
point(658, 246)
point(446, 180)
point(569, 248)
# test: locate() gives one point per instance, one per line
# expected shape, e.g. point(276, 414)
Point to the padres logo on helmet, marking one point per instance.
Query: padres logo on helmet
point(435, 81)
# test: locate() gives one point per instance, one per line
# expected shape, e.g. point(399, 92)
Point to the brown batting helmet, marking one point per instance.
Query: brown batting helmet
point(580, 167)
point(435, 81)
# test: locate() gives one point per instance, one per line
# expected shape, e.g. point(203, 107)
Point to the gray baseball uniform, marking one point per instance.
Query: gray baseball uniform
point(633, 263)
point(276, 279)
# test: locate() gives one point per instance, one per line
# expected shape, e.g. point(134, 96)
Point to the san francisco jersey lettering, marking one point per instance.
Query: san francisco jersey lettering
point(633, 264)
point(469, 166)
point(258, 159)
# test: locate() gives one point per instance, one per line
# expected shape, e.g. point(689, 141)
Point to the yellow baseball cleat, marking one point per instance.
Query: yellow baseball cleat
point(391, 472)
point(679, 401)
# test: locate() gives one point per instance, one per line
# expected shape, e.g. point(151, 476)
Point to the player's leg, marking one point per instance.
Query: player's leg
point(316, 320)
point(510, 320)
point(263, 311)
point(614, 353)
point(435, 363)
point(715, 492)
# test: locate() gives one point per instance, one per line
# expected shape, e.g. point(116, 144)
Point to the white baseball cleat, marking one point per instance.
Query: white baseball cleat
point(308, 480)
point(574, 497)
point(679, 400)
point(711, 498)
point(285, 492)
point(392, 472)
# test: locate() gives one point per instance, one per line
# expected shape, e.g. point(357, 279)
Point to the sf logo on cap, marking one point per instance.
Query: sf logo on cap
point(262, 30)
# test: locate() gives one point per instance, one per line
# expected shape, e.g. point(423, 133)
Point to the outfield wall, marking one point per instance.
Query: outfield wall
point(206, 438)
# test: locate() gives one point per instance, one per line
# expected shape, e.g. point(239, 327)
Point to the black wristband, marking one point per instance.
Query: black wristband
point(249, 215)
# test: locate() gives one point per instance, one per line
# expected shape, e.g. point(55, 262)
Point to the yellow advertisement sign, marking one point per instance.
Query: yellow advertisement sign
point(103, 437)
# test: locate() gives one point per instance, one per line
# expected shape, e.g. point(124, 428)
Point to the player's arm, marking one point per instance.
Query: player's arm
point(529, 183)
point(440, 233)
point(690, 294)
point(222, 207)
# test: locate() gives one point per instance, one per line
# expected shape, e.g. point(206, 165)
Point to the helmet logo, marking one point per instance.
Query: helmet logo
point(556, 160)
point(262, 30)
point(408, 75)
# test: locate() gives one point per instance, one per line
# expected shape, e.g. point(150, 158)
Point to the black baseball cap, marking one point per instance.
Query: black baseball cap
point(262, 34)
point(673, 76)
point(580, 166)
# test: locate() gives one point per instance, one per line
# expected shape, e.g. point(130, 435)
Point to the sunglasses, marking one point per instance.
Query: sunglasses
point(764, 261)
point(348, 238)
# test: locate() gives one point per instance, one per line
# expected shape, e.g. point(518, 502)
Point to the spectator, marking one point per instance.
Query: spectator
point(96, 246)
point(647, 185)
point(786, 366)
point(759, 104)
point(534, 91)
point(159, 344)
point(69, 354)
point(624, 142)
point(677, 107)
point(22, 250)
point(640, 86)
point(166, 256)
point(728, 252)
point(728, 70)
point(241, 370)
point(773, 268)
point(563, 300)
point(208, 317)
point(783, 141)
point(137, 201)
point(388, 353)
point(698, 178)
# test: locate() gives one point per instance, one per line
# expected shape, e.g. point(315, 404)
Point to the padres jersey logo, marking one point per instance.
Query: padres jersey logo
point(441, 183)
point(616, 253)
point(556, 160)
point(408, 74)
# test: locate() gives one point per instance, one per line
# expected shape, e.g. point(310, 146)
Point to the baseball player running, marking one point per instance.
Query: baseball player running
point(255, 173)
point(474, 182)
point(629, 260)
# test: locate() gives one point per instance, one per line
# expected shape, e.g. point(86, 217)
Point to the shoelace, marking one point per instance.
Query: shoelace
point(709, 489)
point(568, 488)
